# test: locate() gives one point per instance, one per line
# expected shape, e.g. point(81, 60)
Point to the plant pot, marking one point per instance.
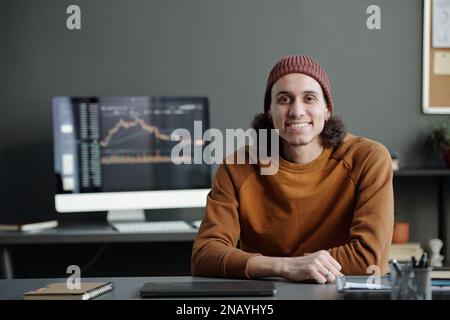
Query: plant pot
point(401, 232)
point(447, 158)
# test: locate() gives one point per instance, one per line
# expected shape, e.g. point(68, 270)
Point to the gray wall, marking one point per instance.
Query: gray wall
point(223, 49)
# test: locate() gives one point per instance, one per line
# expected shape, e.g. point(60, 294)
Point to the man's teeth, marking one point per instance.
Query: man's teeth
point(299, 125)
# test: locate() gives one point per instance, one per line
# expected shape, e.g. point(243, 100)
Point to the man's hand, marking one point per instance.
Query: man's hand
point(319, 266)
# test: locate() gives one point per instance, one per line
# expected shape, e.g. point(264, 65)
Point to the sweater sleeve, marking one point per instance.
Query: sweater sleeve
point(373, 217)
point(214, 252)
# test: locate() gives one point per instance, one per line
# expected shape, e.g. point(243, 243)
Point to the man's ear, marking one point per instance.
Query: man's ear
point(328, 115)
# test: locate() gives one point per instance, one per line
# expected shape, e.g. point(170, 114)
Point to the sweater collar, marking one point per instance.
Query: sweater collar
point(302, 167)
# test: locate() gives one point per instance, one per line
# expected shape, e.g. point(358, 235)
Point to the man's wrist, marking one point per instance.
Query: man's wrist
point(281, 266)
point(263, 266)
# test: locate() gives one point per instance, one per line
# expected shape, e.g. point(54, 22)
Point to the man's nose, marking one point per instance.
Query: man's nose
point(297, 109)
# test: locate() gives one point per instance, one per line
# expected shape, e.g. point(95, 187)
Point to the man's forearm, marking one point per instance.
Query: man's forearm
point(356, 259)
point(262, 266)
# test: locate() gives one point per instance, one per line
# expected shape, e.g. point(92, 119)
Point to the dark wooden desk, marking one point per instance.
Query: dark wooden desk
point(128, 288)
point(79, 234)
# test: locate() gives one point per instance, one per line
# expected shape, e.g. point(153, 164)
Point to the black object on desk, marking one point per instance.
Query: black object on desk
point(208, 289)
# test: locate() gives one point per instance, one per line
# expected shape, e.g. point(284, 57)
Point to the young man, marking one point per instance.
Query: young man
point(328, 210)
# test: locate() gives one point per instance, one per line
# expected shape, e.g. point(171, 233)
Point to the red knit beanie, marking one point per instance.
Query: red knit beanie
point(298, 64)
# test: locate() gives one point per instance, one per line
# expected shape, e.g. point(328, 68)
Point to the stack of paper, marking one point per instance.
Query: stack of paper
point(404, 252)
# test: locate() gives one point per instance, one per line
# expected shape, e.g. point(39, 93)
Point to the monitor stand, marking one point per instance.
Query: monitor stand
point(114, 216)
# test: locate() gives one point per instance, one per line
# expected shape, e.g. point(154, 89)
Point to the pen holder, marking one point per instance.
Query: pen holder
point(411, 283)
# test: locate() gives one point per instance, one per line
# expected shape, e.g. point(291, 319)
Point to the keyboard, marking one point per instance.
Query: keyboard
point(153, 227)
point(197, 223)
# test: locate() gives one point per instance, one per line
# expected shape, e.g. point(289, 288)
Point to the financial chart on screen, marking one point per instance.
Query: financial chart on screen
point(107, 144)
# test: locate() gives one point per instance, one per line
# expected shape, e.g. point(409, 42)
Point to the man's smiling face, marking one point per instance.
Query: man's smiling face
point(299, 110)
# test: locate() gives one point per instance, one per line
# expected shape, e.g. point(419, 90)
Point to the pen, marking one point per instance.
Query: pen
point(422, 261)
point(414, 262)
point(396, 267)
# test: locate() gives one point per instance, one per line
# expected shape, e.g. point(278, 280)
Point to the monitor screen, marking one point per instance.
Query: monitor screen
point(110, 145)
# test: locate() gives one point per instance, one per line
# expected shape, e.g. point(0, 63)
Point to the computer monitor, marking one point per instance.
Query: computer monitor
point(113, 153)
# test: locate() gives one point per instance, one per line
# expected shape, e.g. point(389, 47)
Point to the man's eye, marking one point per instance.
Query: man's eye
point(310, 98)
point(285, 99)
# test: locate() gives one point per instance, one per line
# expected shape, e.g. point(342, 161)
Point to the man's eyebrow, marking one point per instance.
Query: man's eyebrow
point(311, 92)
point(304, 92)
point(284, 92)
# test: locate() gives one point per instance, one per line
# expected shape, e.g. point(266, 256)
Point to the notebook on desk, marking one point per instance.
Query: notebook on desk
point(59, 291)
point(208, 289)
point(28, 225)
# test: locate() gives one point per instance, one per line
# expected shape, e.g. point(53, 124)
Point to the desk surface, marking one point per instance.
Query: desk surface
point(128, 288)
point(90, 234)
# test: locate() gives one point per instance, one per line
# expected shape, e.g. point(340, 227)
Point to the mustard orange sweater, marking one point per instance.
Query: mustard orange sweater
point(341, 202)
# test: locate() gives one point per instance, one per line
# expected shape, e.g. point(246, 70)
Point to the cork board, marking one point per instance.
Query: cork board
point(435, 87)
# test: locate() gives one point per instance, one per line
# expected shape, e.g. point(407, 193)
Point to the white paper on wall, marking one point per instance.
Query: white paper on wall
point(441, 23)
point(442, 63)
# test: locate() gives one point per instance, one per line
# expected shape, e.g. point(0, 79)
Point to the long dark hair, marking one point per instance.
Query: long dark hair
point(332, 135)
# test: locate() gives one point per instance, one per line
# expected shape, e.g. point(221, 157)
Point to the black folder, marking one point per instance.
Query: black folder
point(224, 288)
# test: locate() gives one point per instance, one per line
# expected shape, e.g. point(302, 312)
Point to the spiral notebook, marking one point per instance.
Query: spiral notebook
point(59, 291)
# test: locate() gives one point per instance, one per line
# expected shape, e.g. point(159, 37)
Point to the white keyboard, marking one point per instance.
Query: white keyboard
point(153, 226)
point(197, 223)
